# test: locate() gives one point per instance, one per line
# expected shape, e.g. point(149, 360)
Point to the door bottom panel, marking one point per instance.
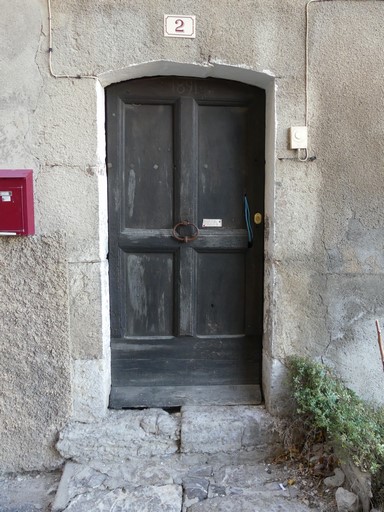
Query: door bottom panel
point(177, 396)
point(185, 370)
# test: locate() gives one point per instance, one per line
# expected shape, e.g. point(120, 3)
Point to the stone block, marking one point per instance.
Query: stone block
point(120, 436)
point(166, 498)
point(91, 387)
point(130, 41)
point(20, 82)
point(226, 429)
point(243, 476)
point(354, 302)
point(89, 310)
point(204, 478)
point(75, 206)
point(358, 250)
point(28, 492)
point(276, 387)
point(360, 483)
point(336, 480)
point(65, 123)
point(298, 217)
point(347, 501)
point(299, 312)
point(258, 501)
point(81, 479)
point(196, 487)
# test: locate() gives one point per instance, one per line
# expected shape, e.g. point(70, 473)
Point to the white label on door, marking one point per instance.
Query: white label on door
point(212, 223)
point(179, 26)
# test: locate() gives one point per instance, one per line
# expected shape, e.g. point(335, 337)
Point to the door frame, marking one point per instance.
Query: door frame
point(272, 369)
point(179, 372)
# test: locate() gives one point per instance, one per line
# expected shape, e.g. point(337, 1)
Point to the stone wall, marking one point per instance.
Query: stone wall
point(324, 218)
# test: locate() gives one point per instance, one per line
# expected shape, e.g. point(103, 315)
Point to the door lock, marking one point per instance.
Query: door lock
point(6, 197)
point(258, 218)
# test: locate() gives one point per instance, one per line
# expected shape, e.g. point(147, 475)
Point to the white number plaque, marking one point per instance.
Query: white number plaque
point(179, 26)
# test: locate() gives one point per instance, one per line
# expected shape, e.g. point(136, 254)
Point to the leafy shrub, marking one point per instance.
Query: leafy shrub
point(324, 402)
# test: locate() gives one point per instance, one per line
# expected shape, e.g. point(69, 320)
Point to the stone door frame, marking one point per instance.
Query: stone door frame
point(96, 401)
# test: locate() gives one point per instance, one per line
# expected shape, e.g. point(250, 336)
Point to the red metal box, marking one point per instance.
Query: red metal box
point(16, 202)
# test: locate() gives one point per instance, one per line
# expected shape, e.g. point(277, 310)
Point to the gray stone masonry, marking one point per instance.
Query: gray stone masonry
point(226, 429)
point(177, 484)
point(201, 459)
point(121, 435)
point(347, 501)
point(33, 492)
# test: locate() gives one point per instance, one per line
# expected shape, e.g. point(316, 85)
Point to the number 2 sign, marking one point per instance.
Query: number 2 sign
point(179, 26)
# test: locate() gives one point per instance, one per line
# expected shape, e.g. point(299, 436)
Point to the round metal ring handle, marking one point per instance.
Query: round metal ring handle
point(185, 239)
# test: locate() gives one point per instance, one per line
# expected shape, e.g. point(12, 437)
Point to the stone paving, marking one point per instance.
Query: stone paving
point(202, 459)
point(32, 492)
point(175, 484)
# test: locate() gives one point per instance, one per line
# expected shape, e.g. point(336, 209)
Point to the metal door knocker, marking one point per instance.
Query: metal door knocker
point(188, 238)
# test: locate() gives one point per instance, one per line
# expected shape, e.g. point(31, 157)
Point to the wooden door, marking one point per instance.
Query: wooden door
point(186, 316)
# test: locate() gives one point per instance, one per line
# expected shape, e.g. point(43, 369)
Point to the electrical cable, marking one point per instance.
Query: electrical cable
point(50, 50)
point(247, 215)
point(305, 157)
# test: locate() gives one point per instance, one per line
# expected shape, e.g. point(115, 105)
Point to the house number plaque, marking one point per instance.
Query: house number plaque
point(179, 26)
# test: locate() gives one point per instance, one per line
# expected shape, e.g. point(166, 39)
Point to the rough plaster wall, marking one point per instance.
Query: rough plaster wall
point(330, 258)
point(20, 81)
point(347, 104)
point(34, 354)
point(324, 219)
point(34, 343)
point(51, 127)
point(113, 34)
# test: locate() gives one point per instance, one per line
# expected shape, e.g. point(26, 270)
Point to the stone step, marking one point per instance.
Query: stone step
point(28, 492)
point(199, 459)
point(227, 429)
point(261, 501)
point(178, 483)
point(123, 435)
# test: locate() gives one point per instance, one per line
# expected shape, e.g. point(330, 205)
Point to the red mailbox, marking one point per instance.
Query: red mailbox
point(16, 202)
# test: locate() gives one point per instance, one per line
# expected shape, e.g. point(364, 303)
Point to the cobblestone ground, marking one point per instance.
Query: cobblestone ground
point(30, 492)
point(199, 460)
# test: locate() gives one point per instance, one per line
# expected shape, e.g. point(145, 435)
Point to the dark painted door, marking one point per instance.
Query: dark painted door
point(186, 317)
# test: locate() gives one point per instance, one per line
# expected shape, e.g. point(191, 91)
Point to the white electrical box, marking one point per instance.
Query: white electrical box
point(299, 137)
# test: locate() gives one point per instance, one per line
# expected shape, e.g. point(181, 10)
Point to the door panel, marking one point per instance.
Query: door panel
point(222, 163)
point(186, 318)
point(148, 294)
point(148, 172)
point(221, 277)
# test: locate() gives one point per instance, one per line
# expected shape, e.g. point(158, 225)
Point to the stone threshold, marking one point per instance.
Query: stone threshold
point(125, 434)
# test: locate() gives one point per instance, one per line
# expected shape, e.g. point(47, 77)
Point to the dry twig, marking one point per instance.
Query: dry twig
point(380, 342)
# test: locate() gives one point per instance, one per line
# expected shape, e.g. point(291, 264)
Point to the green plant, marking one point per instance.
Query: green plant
point(324, 402)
